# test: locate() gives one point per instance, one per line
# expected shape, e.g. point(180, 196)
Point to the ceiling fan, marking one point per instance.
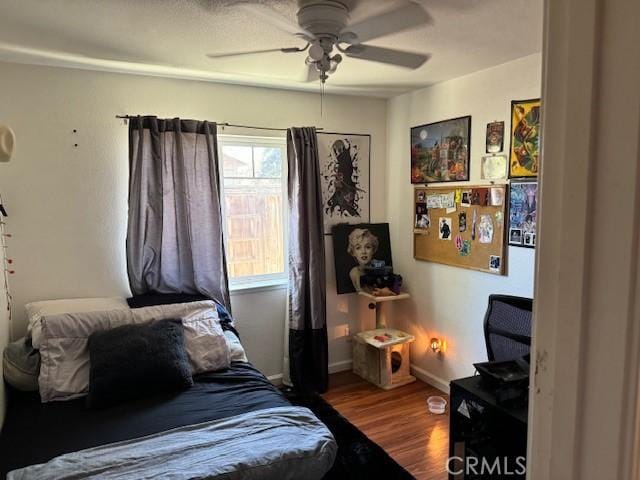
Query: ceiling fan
point(325, 26)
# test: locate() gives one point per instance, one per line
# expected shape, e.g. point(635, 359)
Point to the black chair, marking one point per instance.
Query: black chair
point(507, 327)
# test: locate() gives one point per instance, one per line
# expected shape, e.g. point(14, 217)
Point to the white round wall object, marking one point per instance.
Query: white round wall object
point(7, 143)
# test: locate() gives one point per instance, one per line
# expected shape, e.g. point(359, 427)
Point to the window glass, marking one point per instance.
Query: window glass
point(237, 161)
point(253, 203)
point(268, 162)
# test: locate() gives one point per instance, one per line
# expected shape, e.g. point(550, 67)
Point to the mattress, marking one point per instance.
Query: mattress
point(35, 433)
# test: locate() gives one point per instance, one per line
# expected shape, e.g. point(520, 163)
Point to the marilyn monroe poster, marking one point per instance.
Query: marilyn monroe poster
point(356, 247)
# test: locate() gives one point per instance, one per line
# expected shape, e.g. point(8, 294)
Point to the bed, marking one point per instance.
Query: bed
point(289, 443)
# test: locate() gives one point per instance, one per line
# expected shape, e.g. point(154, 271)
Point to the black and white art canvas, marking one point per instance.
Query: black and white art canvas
point(344, 167)
point(356, 247)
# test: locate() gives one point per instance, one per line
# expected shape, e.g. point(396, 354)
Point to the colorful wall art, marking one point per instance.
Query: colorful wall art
point(523, 208)
point(524, 156)
point(440, 151)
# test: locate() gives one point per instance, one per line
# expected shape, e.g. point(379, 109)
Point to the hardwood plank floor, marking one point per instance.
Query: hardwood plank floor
point(398, 420)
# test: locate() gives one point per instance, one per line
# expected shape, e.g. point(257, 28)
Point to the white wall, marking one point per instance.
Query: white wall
point(69, 205)
point(450, 302)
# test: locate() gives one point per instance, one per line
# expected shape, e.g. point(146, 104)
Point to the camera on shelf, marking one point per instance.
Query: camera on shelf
point(378, 276)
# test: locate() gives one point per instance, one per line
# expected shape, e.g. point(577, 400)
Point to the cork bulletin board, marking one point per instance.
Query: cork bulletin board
point(461, 226)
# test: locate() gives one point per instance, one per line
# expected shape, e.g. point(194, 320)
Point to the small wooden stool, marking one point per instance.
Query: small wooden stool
point(381, 356)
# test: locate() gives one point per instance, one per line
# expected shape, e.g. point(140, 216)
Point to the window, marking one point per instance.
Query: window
point(254, 198)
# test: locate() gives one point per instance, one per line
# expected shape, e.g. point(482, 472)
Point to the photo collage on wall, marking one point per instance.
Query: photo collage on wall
point(465, 218)
point(440, 153)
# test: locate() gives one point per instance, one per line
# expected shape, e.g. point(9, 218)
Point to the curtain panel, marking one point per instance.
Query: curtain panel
point(174, 234)
point(308, 349)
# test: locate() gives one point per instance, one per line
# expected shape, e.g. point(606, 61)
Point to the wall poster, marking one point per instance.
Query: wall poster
point(344, 169)
point(523, 209)
point(524, 155)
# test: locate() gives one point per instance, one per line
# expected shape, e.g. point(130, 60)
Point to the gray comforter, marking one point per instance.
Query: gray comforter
point(275, 443)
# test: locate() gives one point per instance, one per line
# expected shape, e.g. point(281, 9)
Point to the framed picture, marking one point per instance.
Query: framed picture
point(356, 247)
point(524, 154)
point(523, 209)
point(495, 137)
point(494, 167)
point(344, 171)
point(440, 151)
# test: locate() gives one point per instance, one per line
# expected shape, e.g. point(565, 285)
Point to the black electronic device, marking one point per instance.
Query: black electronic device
point(509, 379)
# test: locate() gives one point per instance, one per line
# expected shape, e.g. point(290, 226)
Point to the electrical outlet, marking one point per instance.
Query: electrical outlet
point(347, 332)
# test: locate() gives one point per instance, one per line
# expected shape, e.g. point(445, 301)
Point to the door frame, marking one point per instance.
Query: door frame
point(584, 417)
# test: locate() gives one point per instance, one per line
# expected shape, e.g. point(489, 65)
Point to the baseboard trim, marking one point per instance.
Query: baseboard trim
point(345, 365)
point(430, 379)
point(342, 366)
point(275, 379)
point(335, 367)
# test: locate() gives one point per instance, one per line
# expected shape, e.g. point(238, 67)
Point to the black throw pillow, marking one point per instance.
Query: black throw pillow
point(133, 361)
point(152, 298)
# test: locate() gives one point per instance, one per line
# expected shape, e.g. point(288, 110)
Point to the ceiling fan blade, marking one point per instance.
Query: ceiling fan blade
point(397, 20)
point(274, 18)
point(237, 54)
point(254, 52)
point(387, 55)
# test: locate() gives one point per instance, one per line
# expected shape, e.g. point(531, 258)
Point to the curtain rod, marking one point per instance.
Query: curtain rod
point(225, 124)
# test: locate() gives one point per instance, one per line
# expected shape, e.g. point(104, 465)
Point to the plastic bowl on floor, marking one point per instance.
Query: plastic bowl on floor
point(437, 405)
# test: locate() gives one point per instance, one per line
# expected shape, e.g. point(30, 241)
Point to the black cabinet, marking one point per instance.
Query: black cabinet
point(487, 440)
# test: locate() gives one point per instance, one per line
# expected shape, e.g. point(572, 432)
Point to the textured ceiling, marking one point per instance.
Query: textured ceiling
point(171, 38)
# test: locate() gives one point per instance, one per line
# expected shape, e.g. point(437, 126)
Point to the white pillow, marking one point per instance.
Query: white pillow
point(205, 342)
point(37, 310)
point(64, 352)
point(236, 350)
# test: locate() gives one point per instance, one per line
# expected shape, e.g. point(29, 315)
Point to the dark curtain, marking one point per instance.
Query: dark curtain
point(174, 235)
point(308, 351)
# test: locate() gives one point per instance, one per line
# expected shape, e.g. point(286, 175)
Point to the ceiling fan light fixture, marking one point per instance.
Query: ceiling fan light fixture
point(316, 52)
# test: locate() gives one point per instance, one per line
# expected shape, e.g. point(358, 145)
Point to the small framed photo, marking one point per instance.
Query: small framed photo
point(515, 236)
point(530, 239)
point(423, 221)
point(495, 137)
point(494, 263)
point(444, 228)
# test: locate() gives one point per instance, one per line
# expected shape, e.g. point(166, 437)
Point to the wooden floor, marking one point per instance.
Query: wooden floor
point(398, 420)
